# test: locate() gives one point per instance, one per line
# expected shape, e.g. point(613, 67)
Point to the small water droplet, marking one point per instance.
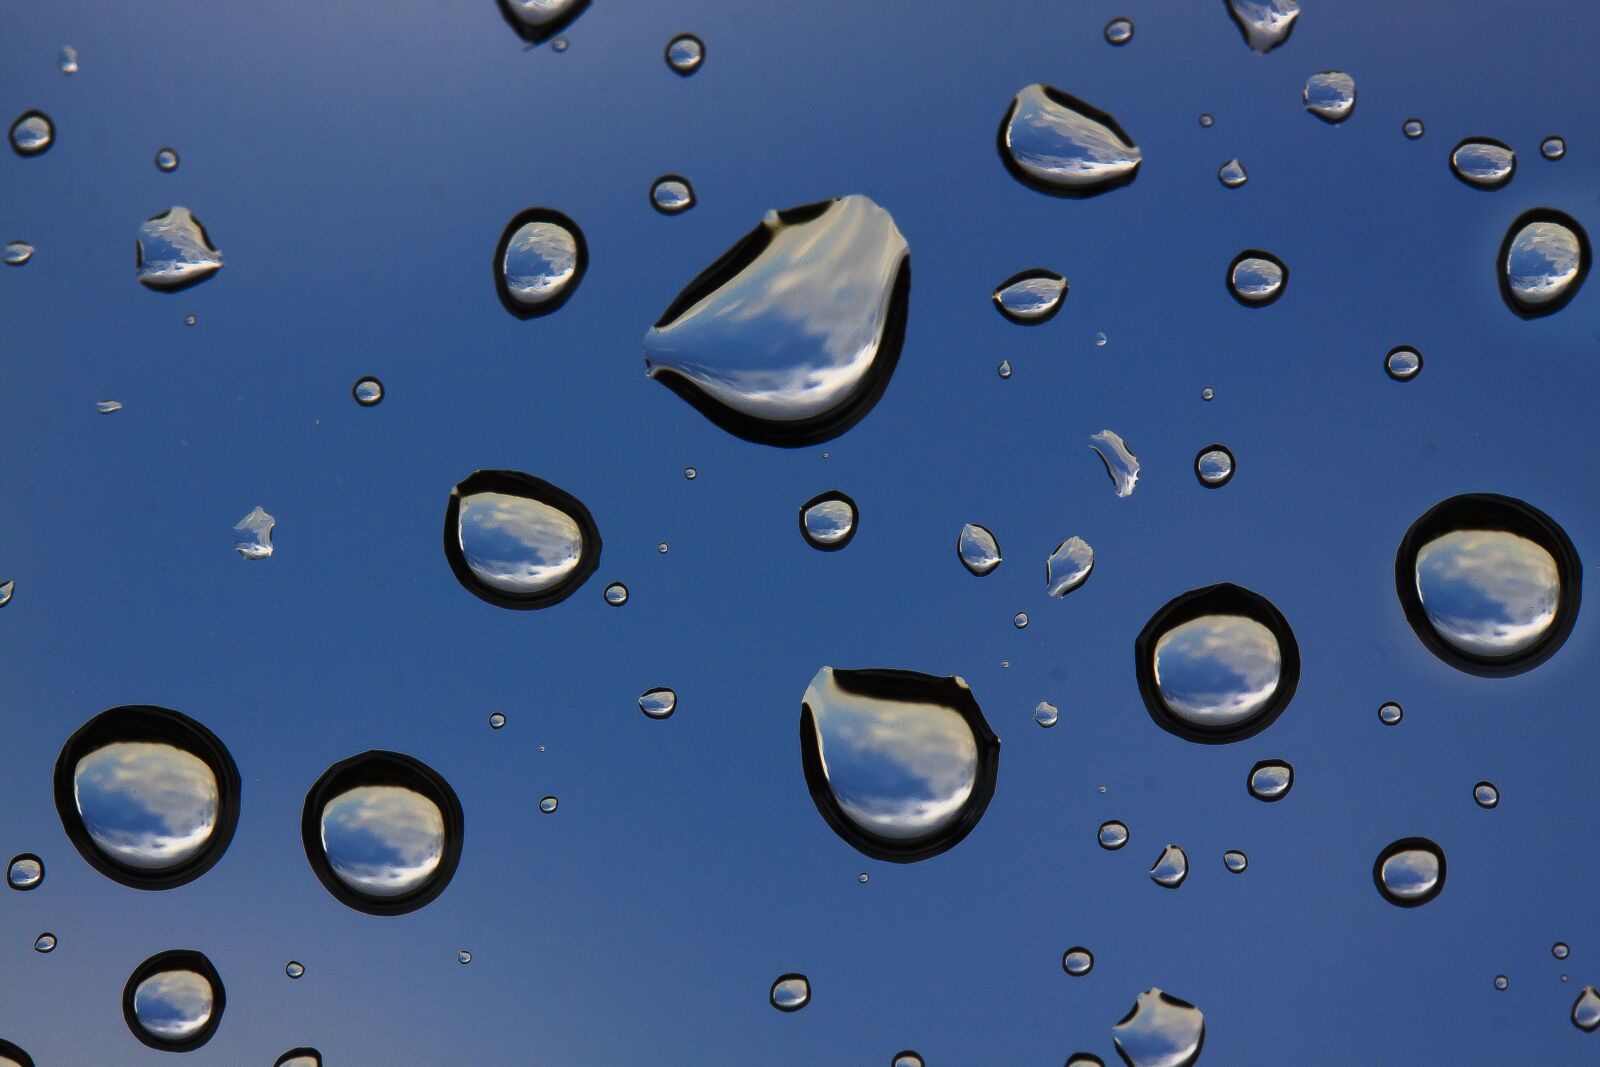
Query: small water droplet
point(108, 407)
point(538, 20)
point(254, 540)
point(1214, 466)
point(1410, 872)
point(1265, 23)
point(1483, 162)
point(539, 262)
point(1235, 861)
point(1072, 561)
point(1077, 961)
point(17, 253)
point(1257, 278)
point(25, 872)
point(1486, 795)
point(1046, 714)
point(1208, 393)
point(863, 877)
point(1004, 370)
point(166, 159)
point(463, 956)
point(671, 194)
point(1560, 950)
point(1412, 128)
point(1121, 464)
point(174, 1001)
point(1330, 95)
point(367, 391)
point(559, 45)
point(829, 520)
point(173, 251)
point(294, 969)
point(32, 133)
point(1553, 147)
point(496, 720)
point(1020, 620)
point(44, 943)
point(1112, 835)
point(1543, 261)
point(1270, 780)
point(7, 587)
point(1161, 1030)
point(1206, 121)
point(1586, 1010)
point(1170, 868)
point(907, 1059)
point(978, 549)
point(189, 320)
point(69, 59)
point(1403, 363)
point(658, 703)
point(548, 804)
point(1232, 174)
point(616, 594)
point(690, 473)
point(1099, 340)
point(1031, 296)
point(1056, 143)
point(517, 541)
point(685, 53)
point(1119, 31)
point(1391, 713)
point(662, 548)
point(1501, 982)
point(790, 992)
point(1102, 790)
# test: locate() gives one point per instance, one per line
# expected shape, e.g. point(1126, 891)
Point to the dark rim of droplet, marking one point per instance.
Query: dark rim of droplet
point(10, 1051)
point(772, 993)
point(1233, 465)
point(35, 884)
point(540, 34)
point(672, 210)
point(1222, 599)
point(1270, 298)
point(666, 54)
point(1560, 218)
point(1263, 764)
point(912, 687)
point(1408, 844)
point(1486, 186)
point(366, 402)
point(144, 722)
point(822, 498)
point(175, 960)
point(177, 285)
point(814, 429)
point(24, 117)
point(1388, 365)
point(1066, 100)
point(295, 1052)
point(515, 483)
point(1027, 275)
point(380, 769)
point(1490, 511)
point(579, 267)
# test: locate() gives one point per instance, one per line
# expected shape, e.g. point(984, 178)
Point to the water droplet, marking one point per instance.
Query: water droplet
point(1501, 982)
point(1031, 296)
point(463, 956)
point(863, 877)
point(295, 1057)
point(1486, 795)
point(44, 943)
point(1112, 835)
point(1077, 961)
point(1085, 1059)
point(790, 992)
point(616, 594)
point(1217, 664)
point(559, 45)
point(1403, 363)
point(1270, 780)
point(1102, 790)
point(1560, 950)
point(1412, 128)
point(173, 251)
point(1020, 620)
point(1099, 340)
point(69, 59)
point(254, 540)
point(978, 550)
point(690, 473)
point(7, 587)
point(166, 159)
point(24, 872)
point(1391, 713)
point(1119, 31)
point(1206, 121)
point(658, 703)
point(662, 547)
point(496, 720)
point(1490, 584)
point(1170, 868)
point(32, 133)
point(1265, 23)
point(539, 20)
point(907, 1059)
point(1410, 872)
point(1056, 143)
point(17, 253)
point(1046, 714)
point(1069, 565)
point(1004, 370)
point(367, 391)
point(685, 53)
point(173, 1001)
point(189, 320)
point(1553, 147)
point(108, 407)
point(13, 1056)
point(1483, 162)
point(901, 765)
point(1121, 464)
point(1330, 95)
point(294, 969)
point(1235, 861)
point(791, 336)
point(1232, 174)
point(1161, 1030)
point(539, 262)
point(383, 832)
point(671, 194)
point(1586, 1010)
point(1208, 393)
point(829, 520)
point(1543, 261)
point(1257, 278)
point(1214, 466)
point(517, 541)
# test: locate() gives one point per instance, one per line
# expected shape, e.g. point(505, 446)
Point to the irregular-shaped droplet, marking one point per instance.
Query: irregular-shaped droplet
point(1265, 23)
point(658, 703)
point(1119, 31)
point(1059, 144)
point(1031, 296)
point(1046, 714)
point(1121, 464)
point(1330, 95)
point(1214, 466)
point(685, 53)
point(107, 407)
point(671, 194)
point(1390, 713)
point(1485, 795)
point(1160, 1031)
point(539, 262)
point(978, 549)
point(173, 251)
point(517, 541)
point(1586, 1010)
point(7, 587)
point(900, 764)
point(68, 60)
point(1077, 961)
point(1112, 835)
point(1483, 162)
point(25, 872)
point(17, 253)
point(1543, 262)
point(253, 534)
point(1271, 780)
point(368, 391)
point(828, 521)
point(1235, 861)
point(1232, 174)
point(1170, 868)
point(1257, 278)
point(1410, 872)
point(166, 159)
point(1553, 147)
point(790, 992)
point(174, 1001)
point(1403, 363)
point(537, 21)
point(1070, 564)
point(32, 133)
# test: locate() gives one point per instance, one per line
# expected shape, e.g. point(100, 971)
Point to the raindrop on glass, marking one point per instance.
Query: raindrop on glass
point(517, 541)
point(463, 956)
point(538, 20)
point(1391, 713)
point(1119, 31)
point(790, 992)
point(1271, 780)
point(658, 703)
point(1403, 363)
point(44, 943)
point(1330, 95)
point(1070, 564)
point(1232, 174)
point(1543, 261)
point(559, 45)
point(539, 262)
point(1265, 23)
point(1214, 466)
point(173, 251)
point(828, 521)
point(496, 720)
point(907, 1059)
point(978, 549)
point(294, 969)
point(1170, 868)
point(254, 534)
point(1586, 1010)
point(1206, 121)
point(671, 194)
point(1410, 872)
point(17, 253)
point(1235, 861)
point(189, 320)
point(1483, 162)
point(32, 133)
point(174, 1001)
point(1046, 714)
point(1121, 464)
point(1112, 835)
point(367, 391)
point(7, 587)
point(68, 61)
point(548, 804)
point(685, 53)
point(1257, 278)
point(1030, 297)
point(1077, 961)
point(662, 548)
point(1412, 128)
point(1160, 1031)
point(166, 159)
point(1553, 147)
point(1020, 620)
point(616, 594)
point(690, 473)
point(1486, 795)
point(1560, 950)
point(1057, 143)
point(1004, 369)
point(1501, 982)
point(107, 407)
point(25, 872)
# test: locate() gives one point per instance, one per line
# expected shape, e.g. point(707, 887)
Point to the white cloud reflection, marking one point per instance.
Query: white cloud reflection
point(383, 840)
point(1488, 592)
point(517, 544)
point(173, 1005)
point(1217, 670)
point(146, 805)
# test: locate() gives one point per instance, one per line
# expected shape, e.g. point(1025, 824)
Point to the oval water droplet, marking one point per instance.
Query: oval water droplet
point(1330, 95)
point(17, 253)
point(1403, 363)
point(1390, 713)
point(1112, 835)
point(548, 804)
point(517, 541)
point(1543, 262)
point(1270, 780)
point(1077, 961)
point(791, 336)
point(32, 133)
point(45, 943)
point(299, 1057)
point(1412, 128)
point(174, 1001)
point(1410, 872)
point(658, 703)
point(536, 21)
point(616, 594)
point(1553, 147)
point(1206, 120)
point(294, 969)
point(1502, 983)
point(1170, 868)
point(685, 53)
point(173, 251)
point(382, 831)
point(978, 550)
point(1031, 296)
point(1160, 1031)
point(496, 720)
point(1072, 561)
point(1257, 278)
point(1119, 31)
point(25, 872)
point(1265, 23)
point(900, 764)
point(1586, 1010)
point(1560, 950)
point(1485, 795)
point(671, 194)
point(1232, 174)
point(253, 534)
point(367, 391)
point(1121, 464)
point(1235, 861)
point(539, 262)
point(1483, 162)
point(1046, 714)
point(1214, 466)
point(790, 992)
point(166, 159)
point(1058, 144)
point(829, 520)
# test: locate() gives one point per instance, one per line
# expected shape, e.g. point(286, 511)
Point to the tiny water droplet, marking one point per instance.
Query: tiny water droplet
point(1077, 961)
point(1270, 780)
point(1403, 363)
point(671, 194)
point(463, 956)
point(1412, 128)
point(17, 253)
point(1121, 464)
point(1501, 982)
point(662, 548)
point(174, 1001)
point(496, 720)
point(658, 703)
point(1330, 95)
point(863, 877)
point(978, 549)
point(1208, 393)
point(1235, 861)
point(790, 992)
point(1112, 835)
point(294, 969)
point(1214, 466)
point(685, 53)
point(559, 45)
point(1206, 121)
point(1391, 713)
point(1119, 31)
point(69, 59)
point(1232, 174)
point(616, 594)
point(690, 473)
point(25, 872)
point(1020, 620)
point(1257, 278)
point(548, 804)
point(367, 391)
point(1553, 147)
point(1161, 1030)
point(1486, 795)
point(1004, 370)
point(541, 258)
point(1031, 296)
point(1046, 714)
point(1102, 790)
point(1265, 23)
point(1586, 1010)
point(1483, 162)
point(108, 407)
point(1560, 950)
point(166, 159)
point(1543, 261)
point(1410, 872)
point(1055, 142)
point(7, 587)
point(44, 943)
point(1170, 868)
point(255, 534)
point(32, 133)
point(1072, 561)
point(829, 520)
point(173, 251)
point(189, 320)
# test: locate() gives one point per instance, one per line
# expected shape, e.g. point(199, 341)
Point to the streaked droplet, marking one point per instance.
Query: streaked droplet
point(68, 61)
point(1214, 466)
point(829, 520)
point(1412, 128)
point(1059, 144)
point(978, 549)
point(1485, 795)
point(497, 720)
point(1121, 464)
point(685, 53)
point(463, 956)
point(17, 253)
point(1119, 31)
point(1390, 713)
point(1235, 861)
point(294, 969)
point(1232, 174)
point(174, 1001)
point(45, 942)
point(1553, 147)
point(1112, 835)
point(1004, 369)
point(517, 541)
point(1410, 872)
point(253, 538)
point(658, 703)
point(1330, 95)
point(32, 133)
point(367, 391)
point(1257, 278)
point(790, 992)
point(1161, 1030)
point(1560, 950)
point(1483, 162)
point(107, 407)
point(1072, 561)
point(1046, 714)
point(1270, 780)
point(166, 159)
point(671, 194)
point(541, 259)
point(1403, 363)
point(1170, 868)
point(25, 872)
point(616, 594)
point(1502, 983)
point(173, 251)
point(1077, 961)
point(1543, 261)
point(1265, 23)
point(1031, 296)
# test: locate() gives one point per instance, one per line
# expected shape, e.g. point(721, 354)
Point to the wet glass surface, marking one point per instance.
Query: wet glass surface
point(358, 245)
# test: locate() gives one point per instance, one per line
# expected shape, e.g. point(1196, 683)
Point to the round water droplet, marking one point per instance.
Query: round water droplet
point(496, 720)
point(1560, 950)
point(829, 520)
point(1208, 393)
point(1121, 464)
point(1161, 1030)
point(32, 133)
point(658, 703)
point(1486, 795)
point(24, 872)
point(863, 877)
point(1068, 566)
point(978, 550)
point(1004, 369)
point(1217, 664)
point(1265, 23)
point(1170, 868)
point(1077, 961)
point(1232, 174)
point(1206, 121)
point(1257, 278)
point(1491, 585)
point(367, 391)
point(671, 194)
point(1403, 363)
point(1270, 780)
point(1235, 861)
point(1099, 340)
point(1020, 620)
point(173, 251)
point(616, 594)
point(1112, 835)
point(1410, 872)
point(690, 473)
point(1214, 466)
point(1119, 31)
point(1046, 714)
point(383, 832)
point(1543, 262)
point(517, 541)
point(44, 943)
point(166, 159)
point(1031, 296)
point(539, 20)
point(901, 765)
point(1412, 128)
point(294, 969)
point(17, 253)
point(907, 1059)
point(68, 60)
point(1501, 982)
point(1330, 95)
point(662, 547)
point(1553, 147)
point(1058, 144)
point(296, 1057)
point(790, 992)
point(463, 956)
point(539, 262)
point(549, 804)
point(1391, 713)
point(1483, 162)
point(685, 53)
point(174, 1001)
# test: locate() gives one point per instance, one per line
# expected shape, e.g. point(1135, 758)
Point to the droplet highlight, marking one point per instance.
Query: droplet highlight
point(616, 594)
point(45, 943)
point(1119, 31)
point(1553, 148)
point(1390, 713)
point(1586, 1010)
point(536, 21)
point(166, 160)
point(1235, 861)
point(1412, 128)
point(68, 60)
point(294, 969)
point(1059, 144)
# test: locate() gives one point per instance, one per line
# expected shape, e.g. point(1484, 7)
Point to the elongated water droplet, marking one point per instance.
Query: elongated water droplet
point(900, 764)
point(1070, 564)
point(174, 1001)
point(1330, 95)
point(299, 1057)
point(517, 541)
point(1170, 868)
point(166, 159)
point(367, 391)
point(1412, 128)
point(1265, 23)
point(1031, 296)
point(685, 53)
point(1560, 950)
point(791, 336)
point(1410, 872)
point(537, 21)
point(1112, 835)
point(173, 251)
point(1390, 713)
point(1270, 780)
point(1553, 147)
point(1543, 262)
point(17, 253)
point(1403, 363)
point(1059, 144)
point(671, 194)
point(1586, 1010)
point(1485, 795)
point(539, 262)
point(1077, 961)
point(1214, 466)
point(1257, 278)
point(294, 969)
point(1160, 1031)
point(1232, 174)
point(107, 407)
point(1046, 714)
point(1235, 861)
point(32, 133)
point(790, 992)
point(829, 520)
point(68, 61)
point(25, 872)
point(978, 549)
point(1121, 464)
point(45, 943)
point(1483, 162)
point(658, 703)
point(254, 534)
point(1119, 31)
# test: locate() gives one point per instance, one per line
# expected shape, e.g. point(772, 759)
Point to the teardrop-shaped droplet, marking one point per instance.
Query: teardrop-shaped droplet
point(539, 262)
point(173, 251)
point(1410, 872)
point(1257, 278)
point(367, 391)
point(166, 160)
point(1235, 861)
point(299, 1057)
point(25, 872)
point(1586, 1010)
point(1403, 363)
point(685, 53)
point(900, 764)
point(1077, 961)
point(518, 541)
point(1004, 369)
point(536, 21)
point(1059, 144)
point(1485, 795)
point(32, 133)
point(791, 336)
point(658, 703)
point(1483, 162)
point(790, 992)
point(1543, 262)
point(671, 194)
point(253, 534)
point(1070, 564)
point(45, 943)
point(1046, 714)
point(1553, 147)
point(978, 549)
point(1214, 466)
point(1170, 868)
point(828, 521)
point(1232, 174)
point(1030, 297)
point(1160, 1031)
point(1271, 780)
point(1112, 835)
point(294, 969)
point(7, 587)
point(1330, 95)
point(1121, 464)
point(174, 1001)
point(1265, 23)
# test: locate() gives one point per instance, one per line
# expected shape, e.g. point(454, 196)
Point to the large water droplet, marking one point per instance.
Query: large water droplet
point(1160, 1031)
point(1077, 961)
point(383, 832)
point(173, 251)
point(25, 872)
point(1031, 296)
point(1410, 872)
point(539, 262)
point(17, 253)
point(1586, 1010)
point(32, 133)
point(658, 703)
point(1214, 466)
point(518, 541)
point(671, 194)
point(13, 1056)
point(1170, 868)
point(1069, 565)
point(166, 159)
point(1257, 278)
point(1059, 144)
point(174, 1001)
point(900, 764)
point(791, 336)
point(1112, 835)
point(1235, 861)
point(1330, 95)
point(978, 549)
point(1270, 780)
point(1265, 23)
point(1485, 795)
point(1403, 363)
point(1121, 464)
point(299, 1057)
point(790, 992)
point(829, 520)
point(685, 53)
point(1483, 162)
point(538, 20)
point(1232, 174)
point(1553, 147)
point(1543, 262)
point(253, 538)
